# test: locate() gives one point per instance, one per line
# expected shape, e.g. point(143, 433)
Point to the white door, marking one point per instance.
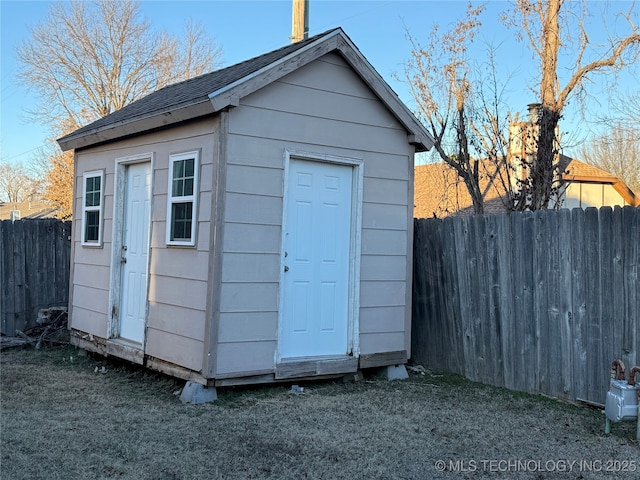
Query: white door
point(316, 243)
point(135, 247)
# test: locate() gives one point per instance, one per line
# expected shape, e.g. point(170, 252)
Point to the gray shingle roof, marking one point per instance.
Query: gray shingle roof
point(192, 91)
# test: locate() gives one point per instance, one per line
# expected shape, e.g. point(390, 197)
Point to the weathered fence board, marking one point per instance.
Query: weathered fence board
point(34, 270)
point(541, 302)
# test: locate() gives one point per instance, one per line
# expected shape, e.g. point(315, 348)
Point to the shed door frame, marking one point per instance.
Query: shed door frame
point(115, 284)
point(353, 327)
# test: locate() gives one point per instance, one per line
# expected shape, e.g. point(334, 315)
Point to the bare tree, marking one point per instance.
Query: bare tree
point(86, 60)
point(460, 100)
point(625, 114)
point(555, 27)
point(617, 152)
point(438, 76)
point(15, 183)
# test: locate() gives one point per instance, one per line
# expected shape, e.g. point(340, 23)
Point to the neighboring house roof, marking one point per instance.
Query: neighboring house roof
point(440, 192)
point(34, 209)
point(215, 91)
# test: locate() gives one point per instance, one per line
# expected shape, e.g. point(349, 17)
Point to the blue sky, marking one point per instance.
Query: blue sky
point(248, 28)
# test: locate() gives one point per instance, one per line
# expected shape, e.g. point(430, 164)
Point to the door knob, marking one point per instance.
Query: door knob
point(286, 269)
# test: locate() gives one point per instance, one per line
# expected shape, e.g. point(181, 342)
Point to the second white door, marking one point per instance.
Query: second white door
point(135, 248)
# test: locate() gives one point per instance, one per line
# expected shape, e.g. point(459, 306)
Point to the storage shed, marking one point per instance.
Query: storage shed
point(250, 225)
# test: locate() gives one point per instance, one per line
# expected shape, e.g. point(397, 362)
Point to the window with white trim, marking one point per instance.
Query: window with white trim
point(182, 198)
point(92, 200)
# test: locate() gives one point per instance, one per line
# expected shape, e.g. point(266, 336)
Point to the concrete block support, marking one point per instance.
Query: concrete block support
point(397, 372)
point(196, 393)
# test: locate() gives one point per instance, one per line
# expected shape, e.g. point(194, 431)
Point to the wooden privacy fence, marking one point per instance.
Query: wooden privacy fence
point(34, 270)
point(538, 302)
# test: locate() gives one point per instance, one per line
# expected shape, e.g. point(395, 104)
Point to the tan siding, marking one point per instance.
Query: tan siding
point(76, 230)
point(284, 126)
point(382, 319)
point(185, 322)
point(100, 256)
point(255, 151)
point(107, 231)
point(248, 267)
point(204, 236)
point(331, 74)
point(248, 326)
point(382, 294)
point(88, 321)
point(309, 102)
point(246, 357)
point(159, 238)
point(254, 180)
point(249, 297)
point(164, 262)
point(160, 181)
point(206, 175)
point(249, 238)
point(107, 209)
point(388, 217)
point(257, 209)
point(204, 208)
point(269, 153)
point(181, 292)
point(383, 267)
point(395, 191)
point(182, 351)
point(94, 276)
point(381, 342)
point(384, 242)
point(93, 299)
point(388, 167)
point(159, 215)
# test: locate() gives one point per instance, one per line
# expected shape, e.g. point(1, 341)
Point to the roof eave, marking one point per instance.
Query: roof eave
point(136, 125)
point(230, 95)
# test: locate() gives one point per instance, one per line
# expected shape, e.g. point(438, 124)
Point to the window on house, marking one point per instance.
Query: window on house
point(182, 199)
point(93, 185)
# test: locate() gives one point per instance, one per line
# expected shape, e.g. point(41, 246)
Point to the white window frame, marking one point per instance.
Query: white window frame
point(195, 155)
point(93, 208)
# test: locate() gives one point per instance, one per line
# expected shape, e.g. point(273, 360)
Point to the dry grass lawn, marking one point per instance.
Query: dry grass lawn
point(60, 420)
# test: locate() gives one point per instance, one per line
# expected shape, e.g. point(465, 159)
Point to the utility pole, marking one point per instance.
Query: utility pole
point(300, 21)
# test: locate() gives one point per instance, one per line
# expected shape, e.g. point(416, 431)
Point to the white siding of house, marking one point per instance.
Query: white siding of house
point(611, 197)
point(178, 282)
point(322, 108)
point(584, 195)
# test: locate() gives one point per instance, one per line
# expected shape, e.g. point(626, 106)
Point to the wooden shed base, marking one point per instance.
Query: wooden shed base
point(292, 369)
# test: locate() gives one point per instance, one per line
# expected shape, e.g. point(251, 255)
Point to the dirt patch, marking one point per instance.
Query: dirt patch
point(61, 419)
